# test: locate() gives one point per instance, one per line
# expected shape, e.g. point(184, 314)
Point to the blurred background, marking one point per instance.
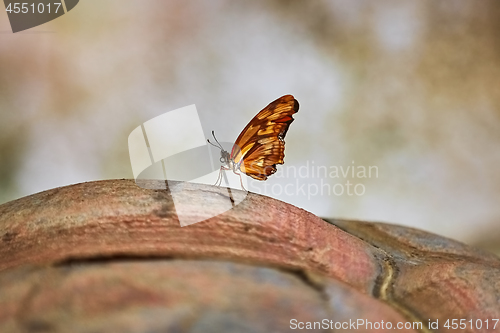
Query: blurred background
point(411, 87)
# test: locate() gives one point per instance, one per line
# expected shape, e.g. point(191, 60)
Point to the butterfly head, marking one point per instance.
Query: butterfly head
point(225, 157)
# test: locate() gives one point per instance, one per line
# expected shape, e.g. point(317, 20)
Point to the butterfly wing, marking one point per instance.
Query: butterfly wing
point(261, 145)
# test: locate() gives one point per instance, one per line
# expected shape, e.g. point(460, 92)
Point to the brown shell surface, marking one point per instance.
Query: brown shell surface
point(109, 256)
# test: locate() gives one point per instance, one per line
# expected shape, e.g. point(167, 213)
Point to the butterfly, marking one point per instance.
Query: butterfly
point(261, 144)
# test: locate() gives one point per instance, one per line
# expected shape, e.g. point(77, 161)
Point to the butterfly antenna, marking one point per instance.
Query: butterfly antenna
point(212, 144)
point(213, 134)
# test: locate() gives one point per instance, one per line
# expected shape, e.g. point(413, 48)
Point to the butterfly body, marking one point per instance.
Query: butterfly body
point(261, 145)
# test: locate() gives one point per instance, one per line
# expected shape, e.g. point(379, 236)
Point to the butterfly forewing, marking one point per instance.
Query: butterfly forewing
point(260, 146)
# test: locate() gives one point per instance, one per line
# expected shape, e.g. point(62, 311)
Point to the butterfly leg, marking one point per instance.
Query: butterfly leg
point(218, 177)
point(241, 182)
point(218, 182)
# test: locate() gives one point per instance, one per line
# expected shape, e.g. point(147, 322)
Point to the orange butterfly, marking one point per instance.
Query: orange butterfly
point(261, 144)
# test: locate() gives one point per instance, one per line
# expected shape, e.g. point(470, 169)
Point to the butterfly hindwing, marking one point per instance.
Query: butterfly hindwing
point(260, 146)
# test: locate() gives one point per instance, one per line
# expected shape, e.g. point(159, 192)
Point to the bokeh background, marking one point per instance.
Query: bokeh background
point(412, 87)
